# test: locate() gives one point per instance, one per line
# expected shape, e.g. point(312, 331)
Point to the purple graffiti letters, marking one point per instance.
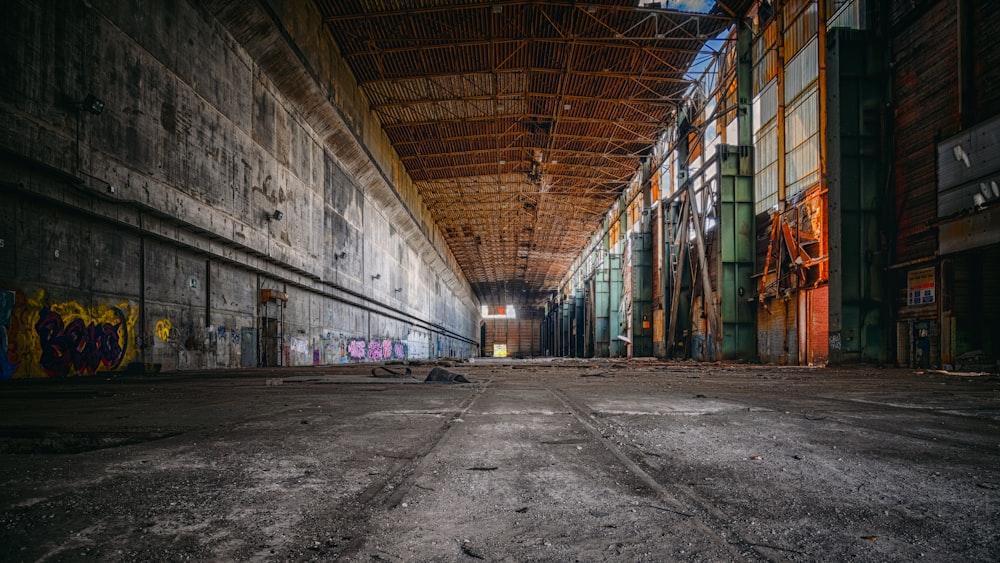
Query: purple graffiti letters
point(356, 349)
point(77, 346)
point(375, 351)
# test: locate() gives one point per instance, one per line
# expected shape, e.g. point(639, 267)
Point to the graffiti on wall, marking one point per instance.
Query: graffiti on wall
point(225, 346)
point(163, 328)
point(356, 349)
point(352, 349)
point(7, 366)
point(67, 338)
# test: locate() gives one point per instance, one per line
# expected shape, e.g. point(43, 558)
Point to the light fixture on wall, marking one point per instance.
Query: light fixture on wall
point(979, 201)
point(377, 277)
point(340, 255)
point(397, 290)
point(275, 216)
point(90, 104)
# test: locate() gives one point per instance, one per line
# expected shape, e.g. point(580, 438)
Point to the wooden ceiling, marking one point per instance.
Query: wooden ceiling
point(520, 122)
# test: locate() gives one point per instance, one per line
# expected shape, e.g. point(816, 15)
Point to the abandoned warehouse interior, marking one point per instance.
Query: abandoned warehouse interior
point(797, 182)
point(688, 280)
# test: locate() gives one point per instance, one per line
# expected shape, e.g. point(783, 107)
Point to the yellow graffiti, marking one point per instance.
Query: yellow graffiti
point(163, 328)
point(30, 333)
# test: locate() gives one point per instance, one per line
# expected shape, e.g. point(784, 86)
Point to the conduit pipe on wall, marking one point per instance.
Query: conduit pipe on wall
point(144, 210)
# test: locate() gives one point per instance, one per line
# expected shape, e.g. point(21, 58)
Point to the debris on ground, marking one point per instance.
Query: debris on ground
point(383, 371)
point(441, 375)
point(468, 550)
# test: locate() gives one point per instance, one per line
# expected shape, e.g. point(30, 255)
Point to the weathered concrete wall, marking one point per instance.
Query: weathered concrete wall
point(141, 234)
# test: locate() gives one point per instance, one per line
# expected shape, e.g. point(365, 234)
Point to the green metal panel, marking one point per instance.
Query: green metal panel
point(615, 346)
point(642, 294)
point(579, 324)
point(737, 247)
point(602, 309)
point(565, 329)
point(858, 331)
point(677, 273)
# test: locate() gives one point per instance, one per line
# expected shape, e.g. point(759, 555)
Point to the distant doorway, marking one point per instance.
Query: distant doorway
point(270, 342)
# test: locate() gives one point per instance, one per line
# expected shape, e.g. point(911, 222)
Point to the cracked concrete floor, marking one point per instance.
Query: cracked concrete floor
point(559, 460)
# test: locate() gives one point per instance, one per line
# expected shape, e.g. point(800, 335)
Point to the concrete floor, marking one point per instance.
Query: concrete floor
point(557, 460)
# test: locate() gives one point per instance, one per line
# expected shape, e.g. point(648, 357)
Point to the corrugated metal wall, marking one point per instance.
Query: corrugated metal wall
point(777, 337)
point(985, 24)
point(521, 336)
point(924, 53)
point(819, 323)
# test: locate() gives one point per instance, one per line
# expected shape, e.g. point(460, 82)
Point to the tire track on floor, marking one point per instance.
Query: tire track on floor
point(708, 518)
point(388, 492)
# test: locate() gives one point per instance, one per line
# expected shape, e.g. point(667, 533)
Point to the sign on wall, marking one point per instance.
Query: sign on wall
point(920, 286)
point(499, 350)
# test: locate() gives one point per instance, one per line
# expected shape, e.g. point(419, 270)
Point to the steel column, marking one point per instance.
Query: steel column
point(642, 292)
point(616, 348)
point(602, 310)
point(737, 247)
point(858, 327)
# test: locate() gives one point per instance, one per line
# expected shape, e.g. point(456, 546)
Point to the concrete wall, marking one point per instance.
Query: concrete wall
point(141, 234)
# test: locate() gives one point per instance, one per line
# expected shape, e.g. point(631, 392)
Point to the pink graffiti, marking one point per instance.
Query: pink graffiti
point(375, 352)
point(356, 349)
point(399, 351)
point(387, 349)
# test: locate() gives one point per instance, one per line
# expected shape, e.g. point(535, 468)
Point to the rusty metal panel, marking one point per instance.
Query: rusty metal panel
point(924, 61)
point(819, 323)
point(776, 332)
point(967, 233)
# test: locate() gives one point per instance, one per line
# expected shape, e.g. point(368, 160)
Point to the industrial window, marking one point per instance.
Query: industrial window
point(802, 71)
point(843, 13)
point(765, 57)
point(766, 169)
point(765, 109)
point(498, 312)
point(801, 30)
point(802, 140)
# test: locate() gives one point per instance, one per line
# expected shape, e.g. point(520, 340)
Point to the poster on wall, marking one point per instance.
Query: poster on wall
point(499, 350)
point(920, 286)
